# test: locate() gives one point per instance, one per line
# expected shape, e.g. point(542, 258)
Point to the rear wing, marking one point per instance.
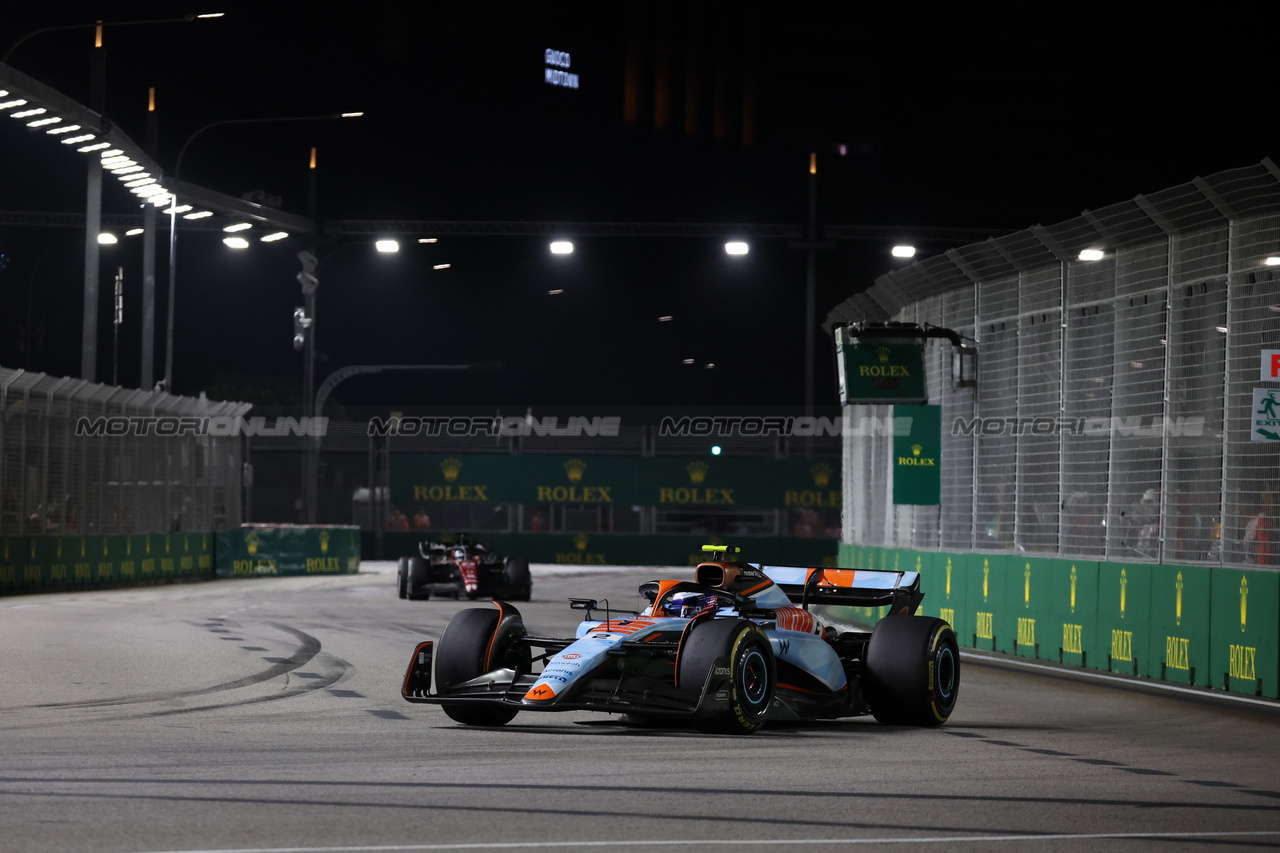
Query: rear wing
point(899, 591)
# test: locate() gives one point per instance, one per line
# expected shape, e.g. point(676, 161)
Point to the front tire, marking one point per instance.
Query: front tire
point(418, 574)
point(752, 672)
point(402, 577)
point(518, 580)
point(473, 643)
point(913, 671)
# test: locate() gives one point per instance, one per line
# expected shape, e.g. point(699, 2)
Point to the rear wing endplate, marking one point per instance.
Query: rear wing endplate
point(899, 591)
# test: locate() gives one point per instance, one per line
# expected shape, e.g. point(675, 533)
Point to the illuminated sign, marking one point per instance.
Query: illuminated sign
point(555, 74)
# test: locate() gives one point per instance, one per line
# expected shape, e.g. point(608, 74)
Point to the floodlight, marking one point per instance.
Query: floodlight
point(1272, 261)
point(665, 318)
point(426, 239)
point(199, 214)
point(211, 15)
point(736, 247)
point(98, 146)
point(441, 266)
point(238, 226)
point(903, 251)
point(133, 232)
point(182, 208)
point(562, 247)
point(387, 246)
point(555, 292)
point(350, 115)
point(1090, 255)
point(688, 361)
point(274, 236)
point(106, 238)
point(84, 137)
point(43, 122)
point(64, 129)
point(236, 242)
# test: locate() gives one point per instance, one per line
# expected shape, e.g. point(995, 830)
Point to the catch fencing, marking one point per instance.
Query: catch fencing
point(1114, 413)
point(153, 474)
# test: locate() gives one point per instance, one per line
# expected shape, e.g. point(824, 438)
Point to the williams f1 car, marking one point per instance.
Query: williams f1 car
point(463, 569)
point(733, 648)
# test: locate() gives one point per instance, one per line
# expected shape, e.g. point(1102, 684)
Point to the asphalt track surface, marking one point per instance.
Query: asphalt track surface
point(265, 715)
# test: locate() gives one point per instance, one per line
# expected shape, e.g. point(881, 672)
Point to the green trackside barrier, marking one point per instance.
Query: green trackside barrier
point(986, 579)
point(1071, 611)
point(1124, 619)
point(621, 549)
point(33, 563)
point(1180, 612)
point(1244, 631)
point(946, 595)
point(264, 550)
point(847, 555)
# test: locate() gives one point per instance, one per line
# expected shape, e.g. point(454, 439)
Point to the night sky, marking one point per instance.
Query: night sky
point(685, 112)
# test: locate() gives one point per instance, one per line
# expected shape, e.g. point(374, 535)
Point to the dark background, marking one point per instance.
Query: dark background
point(687, 112)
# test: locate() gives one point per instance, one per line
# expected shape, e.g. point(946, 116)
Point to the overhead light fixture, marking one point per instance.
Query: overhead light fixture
point(127, 170)
point(236, 242)
point(8, 105)
point(1273, 261)
point(147, 190)
point(665, 318)
point(44, 122)
point(95, 147)
point(387, 246)
point(711, 366)
point(84, 137)
point(106, 238)
point(140, 181)
point(562, 247)
point(1222, 329)
point(66, 128)
point(736, 247)
point(272, 237)
point(211, 15)
point(903, 251)
point(182, 208)
point(133, 232)
point(441, 266)
point(199, 214)
point(237, 226)
point(426, 239)
point(350, 115)
point(556, 292)
point(688, 361)
point(38, 111)
point(1090, 255)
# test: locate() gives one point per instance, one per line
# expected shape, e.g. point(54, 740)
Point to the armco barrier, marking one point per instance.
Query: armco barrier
point(34, 563)
point(268, 550)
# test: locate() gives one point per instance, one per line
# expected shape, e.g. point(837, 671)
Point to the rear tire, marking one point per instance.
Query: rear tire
point(752, 672)
point(402, 577)
point(418, 574)
point(518, 580)
point(913, 671)
point(461, 656)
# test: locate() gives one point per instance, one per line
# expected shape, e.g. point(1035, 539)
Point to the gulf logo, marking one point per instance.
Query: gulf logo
point(571, 657)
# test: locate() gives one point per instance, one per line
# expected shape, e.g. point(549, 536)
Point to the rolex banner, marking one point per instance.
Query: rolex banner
point(872, 372)
point(671, 482)
point(262, 550)
point(917, 457)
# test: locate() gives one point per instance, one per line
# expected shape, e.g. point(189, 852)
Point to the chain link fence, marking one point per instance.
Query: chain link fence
point(1114, 413)
point(81, 458)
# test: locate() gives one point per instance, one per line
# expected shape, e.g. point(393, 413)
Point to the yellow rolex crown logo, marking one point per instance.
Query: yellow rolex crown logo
point(697, 472)
point(821, 474)
point(915, 449)
point(882, 353)
point(451, 468)
point(575, 469)
point(580, 541)
point(324, 542)
point(1244, 602)
point(251, 543)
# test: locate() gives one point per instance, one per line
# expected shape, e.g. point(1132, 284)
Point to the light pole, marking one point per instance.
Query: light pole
point(173, 216)
point(93, 195)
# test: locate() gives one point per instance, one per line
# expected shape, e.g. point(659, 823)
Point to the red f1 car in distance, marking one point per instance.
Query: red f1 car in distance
point(462, 569)
point(727, 651)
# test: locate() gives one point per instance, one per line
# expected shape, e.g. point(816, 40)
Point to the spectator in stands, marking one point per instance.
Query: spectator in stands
point(538, 523)
point(396, 520)
point(1259, 533)
point(421, 520)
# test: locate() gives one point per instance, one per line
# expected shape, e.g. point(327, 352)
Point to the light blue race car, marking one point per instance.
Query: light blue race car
point(733, 648)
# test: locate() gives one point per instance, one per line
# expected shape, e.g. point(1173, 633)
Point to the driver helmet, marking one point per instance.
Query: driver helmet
point(459, 553)
point(688, 604)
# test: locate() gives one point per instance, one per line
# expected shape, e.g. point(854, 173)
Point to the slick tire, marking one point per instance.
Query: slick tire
point(912, 671)
point(752, 672)
point(402, 577)
point(417, 575)
point(475, 642)
point(517, 579)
